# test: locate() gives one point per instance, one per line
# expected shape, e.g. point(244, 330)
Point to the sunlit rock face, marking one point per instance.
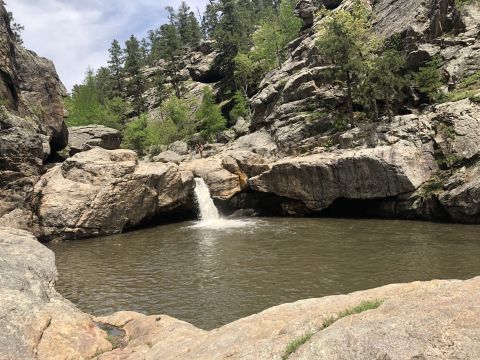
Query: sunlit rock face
point(31, 124)
point(103, 192)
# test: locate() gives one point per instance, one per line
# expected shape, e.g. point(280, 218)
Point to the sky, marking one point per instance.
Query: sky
point(76, 34)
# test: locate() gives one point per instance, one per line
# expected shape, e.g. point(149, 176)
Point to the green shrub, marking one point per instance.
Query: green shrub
point(428, 79)
point(135, 134)
point(210, 116)
point(240, 108)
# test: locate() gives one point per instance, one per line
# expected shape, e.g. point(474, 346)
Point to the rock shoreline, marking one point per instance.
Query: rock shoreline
point(430, 320)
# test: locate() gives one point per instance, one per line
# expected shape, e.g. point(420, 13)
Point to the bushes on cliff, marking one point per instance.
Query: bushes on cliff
point(210, 116)
point(368, 67)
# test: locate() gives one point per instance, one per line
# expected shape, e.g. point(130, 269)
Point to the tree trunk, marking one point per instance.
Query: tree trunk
point(388, 107)
point(375, 110)
point(349, 98)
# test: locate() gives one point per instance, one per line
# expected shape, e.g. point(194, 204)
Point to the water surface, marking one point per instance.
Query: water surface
point(210, 276)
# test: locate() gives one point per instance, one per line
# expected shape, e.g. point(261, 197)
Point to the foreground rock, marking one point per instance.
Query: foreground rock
point(36, 322)
point(103, 192)
point(83, 138)
point(429, 320)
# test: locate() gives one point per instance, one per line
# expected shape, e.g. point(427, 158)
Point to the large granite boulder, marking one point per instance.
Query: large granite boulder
point(204, 63)
point(103, 192)
point(457, 126)
point(83, 138)
point(36, 322)
point(320, 179)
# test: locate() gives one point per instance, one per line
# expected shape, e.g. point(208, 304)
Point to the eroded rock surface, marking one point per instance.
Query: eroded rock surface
point(318, 180)
point(437, 319)
point(83, 138)
point(36, 322)
point(102, 192)
point(31, 124)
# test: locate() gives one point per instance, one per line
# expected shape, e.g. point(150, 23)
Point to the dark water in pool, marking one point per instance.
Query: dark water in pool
point(212, 276)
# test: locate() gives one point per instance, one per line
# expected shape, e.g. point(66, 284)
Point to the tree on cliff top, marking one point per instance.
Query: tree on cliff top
point(368, 67)
point(346, 40)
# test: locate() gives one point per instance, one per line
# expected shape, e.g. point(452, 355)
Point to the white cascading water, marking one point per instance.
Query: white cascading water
point(206, 207)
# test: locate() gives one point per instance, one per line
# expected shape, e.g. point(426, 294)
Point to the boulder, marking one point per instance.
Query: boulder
point(179, 147)
point(222, 183)
point(259, 142)
point(23, 149)
point(203, 66)
point(31, 124)
point(420, 320)
point(462, 200)
point(103, 192)
point(36, 322)
point(318, 180)
point(168, 156)
point(83, 138)
point(457, 126)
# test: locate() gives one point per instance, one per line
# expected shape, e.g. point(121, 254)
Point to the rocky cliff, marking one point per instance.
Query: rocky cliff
point(32, 124)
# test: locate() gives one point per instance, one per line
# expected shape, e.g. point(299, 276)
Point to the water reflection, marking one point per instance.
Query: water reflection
point(210, 276)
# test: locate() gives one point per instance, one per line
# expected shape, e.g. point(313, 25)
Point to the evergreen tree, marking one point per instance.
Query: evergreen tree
point(16, 29)
point(136, 81)
point(210, 19)
point(84, 106)
point(115, 65)
point(210, 116)
point(240, 108)
point(428, 79)
point(346, 39)
point(231, 34)
point(170, 48)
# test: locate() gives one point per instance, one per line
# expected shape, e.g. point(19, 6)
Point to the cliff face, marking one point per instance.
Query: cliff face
point(31, 124)
point(295, 102)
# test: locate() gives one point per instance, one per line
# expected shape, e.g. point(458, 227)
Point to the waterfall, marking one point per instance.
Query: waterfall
point(206, 207)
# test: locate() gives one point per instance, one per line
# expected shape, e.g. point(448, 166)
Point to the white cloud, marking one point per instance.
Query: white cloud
point(76, 34)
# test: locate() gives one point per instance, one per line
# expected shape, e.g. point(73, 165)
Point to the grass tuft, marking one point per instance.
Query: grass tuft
point(295, 344)
point(363, 306)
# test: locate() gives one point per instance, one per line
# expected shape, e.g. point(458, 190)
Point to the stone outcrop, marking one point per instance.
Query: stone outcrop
point(83, 138)
point(102, 192)
point(31, 124)
point(222, 183)
point(318, 180)
point(436, 319)
point(36, 322)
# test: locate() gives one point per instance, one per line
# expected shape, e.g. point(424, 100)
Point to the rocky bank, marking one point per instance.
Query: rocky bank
point(421, 320)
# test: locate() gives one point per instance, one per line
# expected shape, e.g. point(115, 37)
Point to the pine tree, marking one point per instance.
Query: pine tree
point(346, 39)
point(136, 81)
point(210, 115)
point(210, 19)
point(170, 48)
point(115, 65)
